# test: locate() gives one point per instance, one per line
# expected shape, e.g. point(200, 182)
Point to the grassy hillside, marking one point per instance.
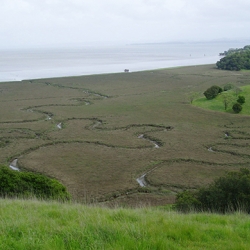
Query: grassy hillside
point(98, 134)
point(217, 103)
point(43, 225)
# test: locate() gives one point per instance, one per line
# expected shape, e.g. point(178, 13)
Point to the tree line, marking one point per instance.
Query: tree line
point(235, 59)
point(232, 50)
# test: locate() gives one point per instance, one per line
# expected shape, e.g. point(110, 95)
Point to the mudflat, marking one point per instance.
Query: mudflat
point(100, 134)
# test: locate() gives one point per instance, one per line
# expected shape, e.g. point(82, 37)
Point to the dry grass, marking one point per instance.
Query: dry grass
point(97, 154)
point(184, 174)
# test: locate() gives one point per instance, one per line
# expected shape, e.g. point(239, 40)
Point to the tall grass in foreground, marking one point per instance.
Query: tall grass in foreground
point(51, 225)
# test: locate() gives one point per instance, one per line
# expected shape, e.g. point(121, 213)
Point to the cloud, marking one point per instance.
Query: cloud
point(35, 22)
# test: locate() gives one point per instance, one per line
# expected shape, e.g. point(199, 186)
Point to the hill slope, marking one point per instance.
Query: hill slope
point(46, 225)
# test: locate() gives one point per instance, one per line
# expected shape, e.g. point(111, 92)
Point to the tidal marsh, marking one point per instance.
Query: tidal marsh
point(97, 154)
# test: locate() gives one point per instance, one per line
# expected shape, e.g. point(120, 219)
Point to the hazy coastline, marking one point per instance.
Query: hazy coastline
point(58, 75)
point(18, 65)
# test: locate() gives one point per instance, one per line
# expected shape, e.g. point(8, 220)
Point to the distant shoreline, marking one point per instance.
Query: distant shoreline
point(18, 65)
point(107, 73)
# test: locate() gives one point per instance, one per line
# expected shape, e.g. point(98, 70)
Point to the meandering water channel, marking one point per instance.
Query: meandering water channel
point(13, 165)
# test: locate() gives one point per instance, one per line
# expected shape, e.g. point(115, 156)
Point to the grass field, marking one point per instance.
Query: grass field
point(32, 224)
point(217, 103)
point(87, 132)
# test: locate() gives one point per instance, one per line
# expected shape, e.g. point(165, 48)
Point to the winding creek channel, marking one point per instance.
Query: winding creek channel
point(145, 138)
point(13, 165)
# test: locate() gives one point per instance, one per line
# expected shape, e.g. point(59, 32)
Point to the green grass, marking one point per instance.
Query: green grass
point(49, 225)
point(217, 103)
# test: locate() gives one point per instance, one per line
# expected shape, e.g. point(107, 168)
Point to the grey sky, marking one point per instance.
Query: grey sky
point(32, 23)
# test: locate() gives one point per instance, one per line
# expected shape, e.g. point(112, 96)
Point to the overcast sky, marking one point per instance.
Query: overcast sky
point(36, 23)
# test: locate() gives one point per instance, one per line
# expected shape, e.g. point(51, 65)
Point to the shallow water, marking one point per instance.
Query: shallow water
point(16, 65)
point(141, 181)
point(13, 165)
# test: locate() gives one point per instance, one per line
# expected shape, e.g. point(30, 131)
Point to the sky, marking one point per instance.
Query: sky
point(56, 23)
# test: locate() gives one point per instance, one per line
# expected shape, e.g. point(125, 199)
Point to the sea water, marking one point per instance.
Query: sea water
point(16, 65)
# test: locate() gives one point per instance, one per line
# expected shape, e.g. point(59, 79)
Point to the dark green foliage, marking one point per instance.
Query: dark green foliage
point(186, 201)
point(237, 108)
point(241, 99)
point(27, 184)
point(226, 194)
point(212, 92)
point(228, 86)
point(235, 61)
point(232, 51)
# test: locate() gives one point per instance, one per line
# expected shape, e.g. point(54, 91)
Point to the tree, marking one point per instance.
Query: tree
point(226, 194)
point(235, 60)
point(237, 108)
point(237, 90)
point(192, 96)
point(227, 99)
point(212, 92)
point(228, 86)
point(241, 99)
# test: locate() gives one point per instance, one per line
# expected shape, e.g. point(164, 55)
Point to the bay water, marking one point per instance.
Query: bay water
point(20, 64)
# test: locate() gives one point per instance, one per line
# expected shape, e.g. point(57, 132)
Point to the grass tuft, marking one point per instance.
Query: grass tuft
point(33, 224)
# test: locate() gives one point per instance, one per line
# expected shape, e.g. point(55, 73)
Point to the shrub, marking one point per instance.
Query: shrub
point(237, 90)
point(241, 99)
point(227, 99)
point(228, 86)
point(186, 201)
point(192, 96)
point(237, 108)
point(212, 92)
point(27, 184)
point(226, 194)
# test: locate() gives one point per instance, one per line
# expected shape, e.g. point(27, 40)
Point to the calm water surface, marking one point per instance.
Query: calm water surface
point(16, 65)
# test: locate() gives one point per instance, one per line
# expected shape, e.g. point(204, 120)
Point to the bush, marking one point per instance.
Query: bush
point(241, 99)
point(226, 194)
point(26, 184)
point(237, 108)
point(228, 86)
point(186, 201)
point(212, 92)
point(237, 90)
